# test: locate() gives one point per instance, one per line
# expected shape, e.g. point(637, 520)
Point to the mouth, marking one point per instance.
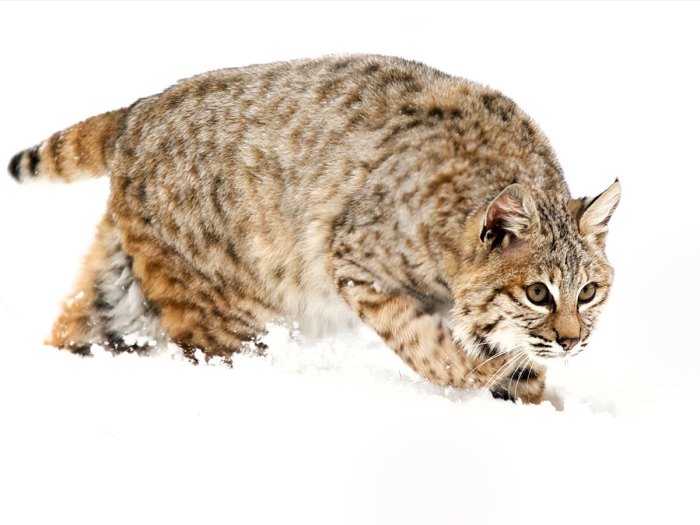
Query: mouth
point(544, 357)
point(549, 354)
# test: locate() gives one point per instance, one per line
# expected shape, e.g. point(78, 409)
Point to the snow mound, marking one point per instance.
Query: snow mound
point(326, 430)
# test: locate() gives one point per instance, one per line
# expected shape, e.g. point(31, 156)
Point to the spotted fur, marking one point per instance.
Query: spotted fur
point(322, 190)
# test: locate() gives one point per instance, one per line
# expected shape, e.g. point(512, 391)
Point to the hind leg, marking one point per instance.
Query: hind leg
point(134, 304)
point(107, 307)
point(219, 315)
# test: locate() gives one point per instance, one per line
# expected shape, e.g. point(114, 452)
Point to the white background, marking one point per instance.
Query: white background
point(615, 86)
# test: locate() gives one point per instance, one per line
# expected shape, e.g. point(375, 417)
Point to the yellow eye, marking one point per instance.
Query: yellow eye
point(538, 293)
point(587, 293)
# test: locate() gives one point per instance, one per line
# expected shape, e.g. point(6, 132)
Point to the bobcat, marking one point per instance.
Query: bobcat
point(431, 207)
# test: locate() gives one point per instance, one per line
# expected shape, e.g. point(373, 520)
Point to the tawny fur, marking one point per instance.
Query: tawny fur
point(314, 190)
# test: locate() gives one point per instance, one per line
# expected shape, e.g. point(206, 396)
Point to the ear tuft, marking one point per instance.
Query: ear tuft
point(595, 213)
point(513, 212)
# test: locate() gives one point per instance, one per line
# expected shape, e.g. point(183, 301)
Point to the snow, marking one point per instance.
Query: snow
point(337, 429)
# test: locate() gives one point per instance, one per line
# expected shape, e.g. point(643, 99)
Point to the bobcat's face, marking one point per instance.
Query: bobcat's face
point(539, 280)
point(560, 309)
point(535, 305)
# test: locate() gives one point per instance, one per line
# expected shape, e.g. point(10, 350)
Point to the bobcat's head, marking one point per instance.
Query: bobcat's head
point(536, 276)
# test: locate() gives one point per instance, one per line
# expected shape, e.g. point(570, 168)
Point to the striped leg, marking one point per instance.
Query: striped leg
point(425, 343)
point(210, 313)
point(420, 338)
point(108, 307)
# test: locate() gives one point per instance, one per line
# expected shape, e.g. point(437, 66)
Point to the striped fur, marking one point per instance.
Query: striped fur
point(79, 152)
point(322, 190)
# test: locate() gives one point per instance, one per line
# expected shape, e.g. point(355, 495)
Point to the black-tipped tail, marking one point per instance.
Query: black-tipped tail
point(78, 152)
point(13, 167)
point(25, 164)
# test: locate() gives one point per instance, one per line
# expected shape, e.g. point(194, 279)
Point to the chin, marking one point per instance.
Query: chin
point(545, 360)
point(553, 357)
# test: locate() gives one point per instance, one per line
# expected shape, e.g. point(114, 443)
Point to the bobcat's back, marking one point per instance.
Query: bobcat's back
point(251, 168)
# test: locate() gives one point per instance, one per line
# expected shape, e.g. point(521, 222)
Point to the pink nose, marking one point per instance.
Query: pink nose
point(567, 343)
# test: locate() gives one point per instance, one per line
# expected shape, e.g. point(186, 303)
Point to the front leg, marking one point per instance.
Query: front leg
point(421, 339)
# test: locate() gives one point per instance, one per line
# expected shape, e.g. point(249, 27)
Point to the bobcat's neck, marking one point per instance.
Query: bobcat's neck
point(451, 246)
point(455, 238)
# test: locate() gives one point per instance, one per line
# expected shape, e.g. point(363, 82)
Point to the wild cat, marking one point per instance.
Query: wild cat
point(430, 206)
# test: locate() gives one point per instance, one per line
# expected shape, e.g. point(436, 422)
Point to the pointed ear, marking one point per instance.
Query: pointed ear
point(512, 214)
point(595, 213)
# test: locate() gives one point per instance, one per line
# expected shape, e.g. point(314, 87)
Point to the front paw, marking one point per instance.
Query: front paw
point(530, 393)
point(499, 392)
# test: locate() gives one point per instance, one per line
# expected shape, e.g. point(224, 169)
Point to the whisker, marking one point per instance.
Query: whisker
point(475, 345)
point(515, 367)
point(496, 377)
point(520, 356)
point(524, 360)
point(499, 354)
point(515, 363)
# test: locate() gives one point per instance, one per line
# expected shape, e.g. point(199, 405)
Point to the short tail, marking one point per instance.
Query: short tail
point(79, 152)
